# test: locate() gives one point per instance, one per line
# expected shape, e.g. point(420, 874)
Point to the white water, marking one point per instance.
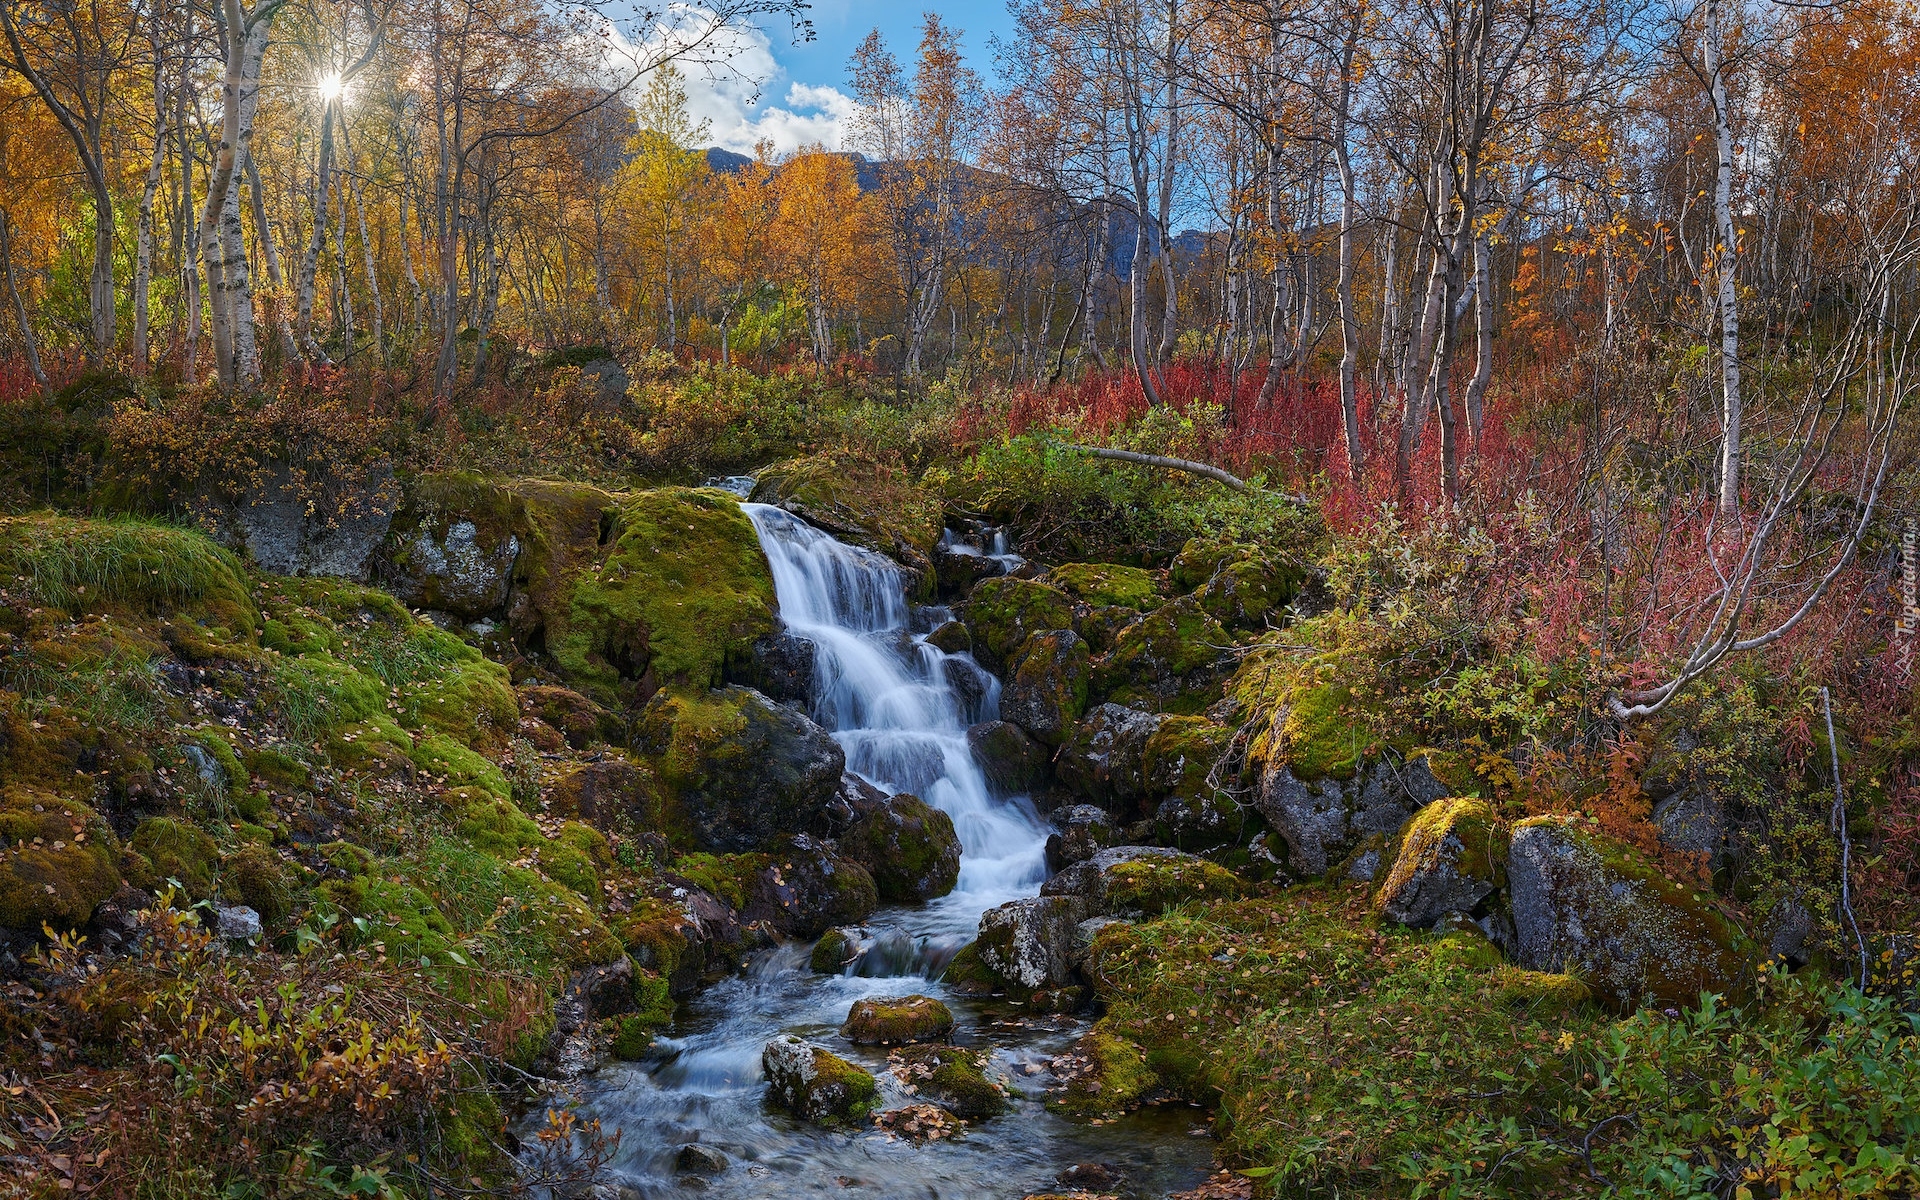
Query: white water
point(900, 708)
point(889, 700)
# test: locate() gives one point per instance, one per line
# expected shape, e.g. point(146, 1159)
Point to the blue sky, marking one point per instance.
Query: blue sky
point(796, 94)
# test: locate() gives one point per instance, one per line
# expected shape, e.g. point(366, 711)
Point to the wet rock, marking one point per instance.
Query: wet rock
point(1002, 613)
point(1083, 832)
point(952, 1077)
point(1013, 763)
point(237, 923)
point(1322, 819)
point(739, 768)
point(815, 1084)
point(907, 845)
point(1140, 879)
point(959, 567)
point(951, 637)
point(1104, 758)
point(1047, 688)
point(685, 934)
point(778, 665)
point(452, 547)
point(1030, 944)
point(1587, 904)
point(896, 1020)
point(1452, 855)
point(970, 683)
point(807, 888)
point(695, 1159)
point(834, 952)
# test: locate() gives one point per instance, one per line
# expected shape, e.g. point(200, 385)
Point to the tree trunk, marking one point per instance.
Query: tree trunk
point(1483, 346)
point(373, 281)
point(27, 343)
point(310, 262)
point(276, 278)
point(143, 243)
point(1724, 262)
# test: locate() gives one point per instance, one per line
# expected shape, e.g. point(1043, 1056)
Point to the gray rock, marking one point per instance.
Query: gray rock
point(1032, 944)
point(813, 1083)
point(456, 570)
point(951, 637)
point(1693, 823)
point(1322, 819)
point(1086, 931)
point(1087, 881)
point(780, 665)
point(206, 766)
point(907, 845)
point(695, 1159)
point(1084, 832)
point(808, 888)
point(237, 923)
point(1013, 763)
point(331, 524)
point(1788, 927)
point(959, 567)
point(1452, 856)
point(1103, 759)
point(1047, 687)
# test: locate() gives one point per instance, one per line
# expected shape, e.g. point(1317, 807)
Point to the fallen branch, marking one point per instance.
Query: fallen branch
point(1206, 470)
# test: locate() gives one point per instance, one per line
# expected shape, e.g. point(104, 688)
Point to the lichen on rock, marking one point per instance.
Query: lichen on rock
point(814, 1083)
point(1450, 856)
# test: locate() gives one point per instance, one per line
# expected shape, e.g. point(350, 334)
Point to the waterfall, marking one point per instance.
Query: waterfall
point(899, 706)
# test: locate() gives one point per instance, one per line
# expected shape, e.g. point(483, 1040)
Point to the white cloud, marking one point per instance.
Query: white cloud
point(728, 80)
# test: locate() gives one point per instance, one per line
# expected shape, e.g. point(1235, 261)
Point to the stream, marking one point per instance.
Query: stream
point(900, 708)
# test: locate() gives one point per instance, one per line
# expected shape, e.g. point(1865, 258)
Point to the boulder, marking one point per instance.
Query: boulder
point(1241, 586)
point(452, 545)
point(612, 793)
point(958, 567)
point(1452, 855)
point(1030, 945)
point(951, 637)
point(952, 1077)
point(896, 1020)
point(807, 888)
point(685, 934)
point(1693, 822)
point(1013, 763)
point(579, 720)
point(1140, 879)
point(737, 768)
point(57, 861)
point(835, 951)
point(295, 522)
point(695, 1159)
point(237, 923)
point(907, 845)
point(1322, 819)
point(1104, 585)
point(1595, 907)
point(1176, 649)
point(778, 665)
point(1047, 688)
point(859, 501)
point(1002, 613)
point(1104, 758)
point(1084, 831)
point(815, 1084)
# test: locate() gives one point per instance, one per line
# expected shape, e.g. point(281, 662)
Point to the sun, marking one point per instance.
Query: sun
point(331, 88)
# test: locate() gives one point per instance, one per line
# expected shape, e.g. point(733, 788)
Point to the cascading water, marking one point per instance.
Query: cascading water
point(900, 708)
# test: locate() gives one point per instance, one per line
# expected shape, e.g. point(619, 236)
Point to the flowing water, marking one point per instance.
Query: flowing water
point(900, 708)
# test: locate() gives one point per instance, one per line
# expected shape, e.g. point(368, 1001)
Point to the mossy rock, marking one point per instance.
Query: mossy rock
point(815, 1084)
point(579, 720)
point(470, 699)
point(58, 860)
point(1142, 879)
point(859, 501)
point(452, 545)
point(1313, 724)
point(1047, 689)
point(447, 760)
point(805, 888)
point(491, 823)
point(684, 587)
point(1598, 908)
point(896, 1020)
point(376, 744)
point(1002, 613)
point(1540, 993)
point(833, 952)
point(1102, 585)
point(952, 1077)
point(1242, 586)
point(278, 767)
point(255, 876)
point(1176, 648)
point(907, 845)
point(81, 566)
point(215, 744)
point(173, 849)
point(967, 974)
point(1104, 1073)
point(1449, 856)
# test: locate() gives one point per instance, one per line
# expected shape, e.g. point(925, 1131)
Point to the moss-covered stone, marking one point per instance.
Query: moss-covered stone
point(805, 888)
point(1585, 903)
point(1104, 584)
point(1046, 691)
point(254, 876)
point(966, 974)
point(170, 849)
point(579, 720)
point(1241, 586)
point(952, 1077)
point(1142, 879)
point(1540, 993)
point(895, 1020)
point(452, 544)
point(1450, 856)
point(831, 954)
point(1003, 612)
point(683, 586)
point(447, 760)
point(815, 1084)
point(58, 860)
point(492, 824)
point(907, 845)
point(1176, 648)
point(88, 566)
point(277, 767)
point(1102, 1073)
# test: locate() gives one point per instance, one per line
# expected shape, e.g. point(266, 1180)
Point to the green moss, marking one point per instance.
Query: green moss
point(952, 1077)
point(1110, 1074)
point(1104, 584)
point(725, 875)
point(398, 915)
point(684, 586)
point(492, 824)
point(1002, 612)
point(890, 1021)
point(255, 877)
point(446, 759)
point(1154, 885)
point(1539, 993)
point(861, 1094)
point(221, 749)
point(375, 742)
point(1465, 833)
point(319, 695)
point(471, 699)
point(860, 501)
point(347, 858)
point(966, 974)
point(654, 933)
point(1181, 753)
point(547, 924)
point(57, 860)
point(1169, 650)
point(177, 851)
point(253, 805)
point(632, 1038)
point(832, 953)
point(81, 566)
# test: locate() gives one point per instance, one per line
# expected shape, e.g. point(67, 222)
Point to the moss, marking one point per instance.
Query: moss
point(1104, 584)
point(322, 694)
point(471, 699)
point(967, 974)
point(492, 824)
point(81, 566)
point(546, 923)
point(1181, 753)
point(725, 875)
point(860, 501)
point(375, 742)
point(176, 851)
point(446, 759)
point(1169, 650)
point(570, 868)
point(832, 953)
point(632, 1038)
point(1467, 948)
point(654, 933)
point(345, 857)
point(473, 1126)
point(253, 805)
point(1153, 885)
point(255, 877)
point(1456, 834)
point(860, 1094)
point(1001, 613)
point(684, 587)
point(57, 860)
point(1539, 993)
point(1110, 1074)
point(890, 1021)
point(398, 915)
point(954, 1078)
point(221, 749)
